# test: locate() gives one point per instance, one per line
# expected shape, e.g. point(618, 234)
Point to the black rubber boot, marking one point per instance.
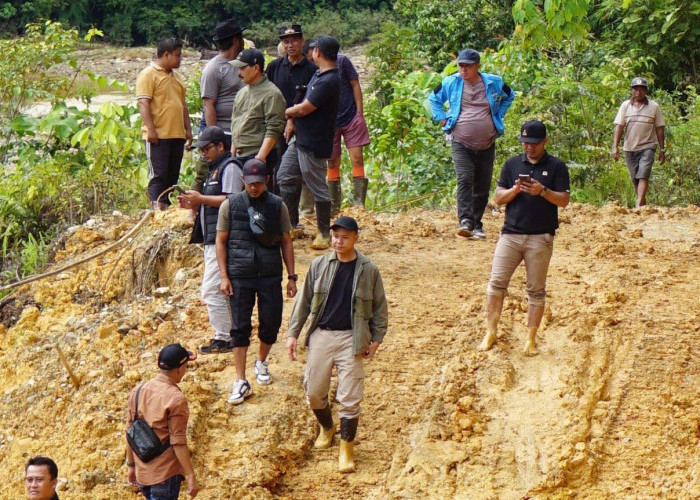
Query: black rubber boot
point(359, 187)
point(324, 417)
point(323, 222)
point(291, 199)
point(348, 428)
point(336, 196)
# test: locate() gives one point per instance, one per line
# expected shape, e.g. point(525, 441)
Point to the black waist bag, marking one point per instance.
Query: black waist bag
point(143, 440)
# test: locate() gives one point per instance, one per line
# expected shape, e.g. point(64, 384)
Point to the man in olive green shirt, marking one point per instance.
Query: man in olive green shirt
point(258, 112)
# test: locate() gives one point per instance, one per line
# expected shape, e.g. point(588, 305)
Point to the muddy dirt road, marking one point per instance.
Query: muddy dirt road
point(609, 409)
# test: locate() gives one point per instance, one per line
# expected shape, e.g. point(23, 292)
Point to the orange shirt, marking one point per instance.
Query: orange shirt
point(166, 91)
point(164, 407)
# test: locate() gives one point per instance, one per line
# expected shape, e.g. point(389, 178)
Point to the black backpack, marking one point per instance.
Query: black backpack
point(143, 440)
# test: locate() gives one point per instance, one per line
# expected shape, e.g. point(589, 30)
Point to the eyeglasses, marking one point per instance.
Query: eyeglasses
point(206, 148)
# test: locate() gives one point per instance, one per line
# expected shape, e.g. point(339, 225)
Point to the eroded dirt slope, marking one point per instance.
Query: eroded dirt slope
point(608, 410)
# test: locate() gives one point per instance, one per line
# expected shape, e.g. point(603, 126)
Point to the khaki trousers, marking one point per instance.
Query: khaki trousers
point(328, 348)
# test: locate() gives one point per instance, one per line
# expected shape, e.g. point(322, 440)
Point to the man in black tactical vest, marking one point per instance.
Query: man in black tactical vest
point(252, 240)
point(224, 178)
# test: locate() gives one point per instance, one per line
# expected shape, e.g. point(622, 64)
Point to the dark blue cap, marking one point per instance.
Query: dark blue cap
point(468, 56)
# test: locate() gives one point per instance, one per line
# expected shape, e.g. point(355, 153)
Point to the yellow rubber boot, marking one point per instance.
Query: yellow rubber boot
point(346, 459)
point(325, 438)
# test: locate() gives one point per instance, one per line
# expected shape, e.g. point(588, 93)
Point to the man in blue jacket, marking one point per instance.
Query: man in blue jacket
point(477, 103)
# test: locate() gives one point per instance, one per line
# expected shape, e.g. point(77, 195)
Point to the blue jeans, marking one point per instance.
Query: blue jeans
point(474, 170)
point(167, 490)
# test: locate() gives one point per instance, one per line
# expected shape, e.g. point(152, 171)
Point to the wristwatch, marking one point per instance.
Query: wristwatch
point(293, 277)
point(544, 191)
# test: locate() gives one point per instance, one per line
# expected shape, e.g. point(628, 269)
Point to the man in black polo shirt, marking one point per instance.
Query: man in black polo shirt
point(291, 74)
point(314, 123)
point(532, 186)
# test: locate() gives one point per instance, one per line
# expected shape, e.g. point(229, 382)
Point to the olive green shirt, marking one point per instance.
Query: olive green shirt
point(258, 112)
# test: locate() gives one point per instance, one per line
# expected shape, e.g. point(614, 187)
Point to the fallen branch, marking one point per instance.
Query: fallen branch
point(121, 240)
point(74, 379)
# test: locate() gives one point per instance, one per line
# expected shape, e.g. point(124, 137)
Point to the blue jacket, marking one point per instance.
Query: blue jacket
point(499, 95)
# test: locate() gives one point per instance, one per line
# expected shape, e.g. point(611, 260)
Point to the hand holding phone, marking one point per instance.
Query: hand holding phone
point(525, 178)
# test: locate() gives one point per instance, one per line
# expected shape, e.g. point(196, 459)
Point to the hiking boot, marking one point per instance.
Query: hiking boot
point(241, 390)
point(478, 234)
point(466, 228)
point(262, 373)
point(323, 222)
point(217, 346)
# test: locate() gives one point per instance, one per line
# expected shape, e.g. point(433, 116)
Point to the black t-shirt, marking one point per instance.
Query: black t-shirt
point(288, 76)
point(337, 314)
point(315, 131)
point(528, 214)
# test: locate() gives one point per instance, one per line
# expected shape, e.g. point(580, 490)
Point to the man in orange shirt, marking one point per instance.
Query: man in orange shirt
point(163, 406)
point(166, 122)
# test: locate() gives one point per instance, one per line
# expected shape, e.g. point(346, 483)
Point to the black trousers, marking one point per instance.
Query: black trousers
point(164, 160)
point(268, 290)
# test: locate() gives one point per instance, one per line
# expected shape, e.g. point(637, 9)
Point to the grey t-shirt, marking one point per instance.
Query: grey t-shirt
point(220, 81)
point(224, 221)
point(474, 128)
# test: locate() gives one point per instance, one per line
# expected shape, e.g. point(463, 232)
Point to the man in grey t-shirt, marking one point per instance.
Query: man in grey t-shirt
point(219, 85)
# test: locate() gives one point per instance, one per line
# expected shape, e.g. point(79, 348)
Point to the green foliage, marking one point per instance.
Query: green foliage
point(442, 29)
point(541, 22)
point(70, 163)
point(349, 26)
point(667, 30)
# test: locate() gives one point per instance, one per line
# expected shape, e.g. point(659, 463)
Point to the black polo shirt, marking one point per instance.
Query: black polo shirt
point(315, 131)
point(528, 214)
point(288, 76)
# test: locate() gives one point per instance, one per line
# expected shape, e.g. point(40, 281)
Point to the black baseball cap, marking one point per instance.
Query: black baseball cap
point(468, 56)
point(208, 135)
point(291, 30)
point(254, 170)
point(533, 132)
point(249, 57)
point(328, 46)
point(227, 29)
point(346, 223)
point(174, 356)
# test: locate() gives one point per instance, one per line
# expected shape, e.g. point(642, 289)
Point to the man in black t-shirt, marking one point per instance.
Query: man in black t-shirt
point(344, 297)
point(532, 186)
point(314, 128)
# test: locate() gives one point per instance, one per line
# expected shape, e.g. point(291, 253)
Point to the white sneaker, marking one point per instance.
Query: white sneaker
point(262, 372)
point(241, 390)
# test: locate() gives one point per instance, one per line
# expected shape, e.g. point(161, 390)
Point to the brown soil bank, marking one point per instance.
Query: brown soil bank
point(608, 410)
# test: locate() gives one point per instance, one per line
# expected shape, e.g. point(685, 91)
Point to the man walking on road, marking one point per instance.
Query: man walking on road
point(314, 124)
point(223, 179)
point(252, 241)
point(258, 113)
point(477, 103)
point(532, 186)
point(643, 124)
point(166, 122)
point(344, 295)
point(162, 405)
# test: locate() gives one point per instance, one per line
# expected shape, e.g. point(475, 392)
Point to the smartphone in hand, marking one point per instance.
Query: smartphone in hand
point(525, 178)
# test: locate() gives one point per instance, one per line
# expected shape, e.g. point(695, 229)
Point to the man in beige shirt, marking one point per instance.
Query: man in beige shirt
point(643, 123)
point(166, 122)
point(163, 406)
